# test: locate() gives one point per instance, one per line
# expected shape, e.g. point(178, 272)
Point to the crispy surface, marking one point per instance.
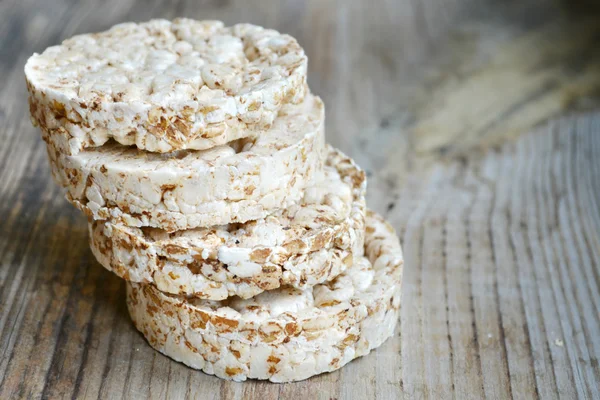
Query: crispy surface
point(163, 85)
point(243, 180)
point(286, 334)
point(306, 244)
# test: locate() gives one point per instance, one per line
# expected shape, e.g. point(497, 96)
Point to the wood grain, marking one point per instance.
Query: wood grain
point(478, 124)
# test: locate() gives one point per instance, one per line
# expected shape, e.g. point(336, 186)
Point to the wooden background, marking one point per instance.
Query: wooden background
point(477, 122)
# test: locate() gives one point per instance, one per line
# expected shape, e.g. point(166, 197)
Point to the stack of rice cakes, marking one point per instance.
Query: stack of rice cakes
point(198, 154)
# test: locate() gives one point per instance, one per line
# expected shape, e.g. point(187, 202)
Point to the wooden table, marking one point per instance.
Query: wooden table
point(477, 123)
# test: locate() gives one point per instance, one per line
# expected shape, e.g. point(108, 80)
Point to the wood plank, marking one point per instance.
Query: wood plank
point(446, 106)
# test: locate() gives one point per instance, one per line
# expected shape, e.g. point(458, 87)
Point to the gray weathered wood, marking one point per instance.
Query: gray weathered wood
point(478, 124)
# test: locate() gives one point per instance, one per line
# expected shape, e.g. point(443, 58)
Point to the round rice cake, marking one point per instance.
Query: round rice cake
point(305, 244)
point(243, 180)
point(286, 334)
point(164, 86)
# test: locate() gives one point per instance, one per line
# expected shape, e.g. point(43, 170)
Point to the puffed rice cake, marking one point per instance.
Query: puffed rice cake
point(306, 244)
point(240, 181)
point(285, 334)
point(163, 85)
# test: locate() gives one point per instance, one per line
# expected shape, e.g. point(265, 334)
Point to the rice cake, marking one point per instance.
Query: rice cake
point(306, 244)
point(164, 86)
point(243, 180)
point(286, 334)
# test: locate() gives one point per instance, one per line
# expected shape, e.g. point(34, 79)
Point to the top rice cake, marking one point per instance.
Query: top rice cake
point(163, 85)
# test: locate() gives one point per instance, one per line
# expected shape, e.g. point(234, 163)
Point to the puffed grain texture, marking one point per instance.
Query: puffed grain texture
point(306, 244)
point(164, 86)
point(286, 334)
point(243, 180)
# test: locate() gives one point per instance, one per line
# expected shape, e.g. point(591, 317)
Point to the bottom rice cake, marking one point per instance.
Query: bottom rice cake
point(286, 334)
point(301, 246)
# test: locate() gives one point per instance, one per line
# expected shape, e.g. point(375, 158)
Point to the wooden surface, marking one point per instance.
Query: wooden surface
point(477, 122)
